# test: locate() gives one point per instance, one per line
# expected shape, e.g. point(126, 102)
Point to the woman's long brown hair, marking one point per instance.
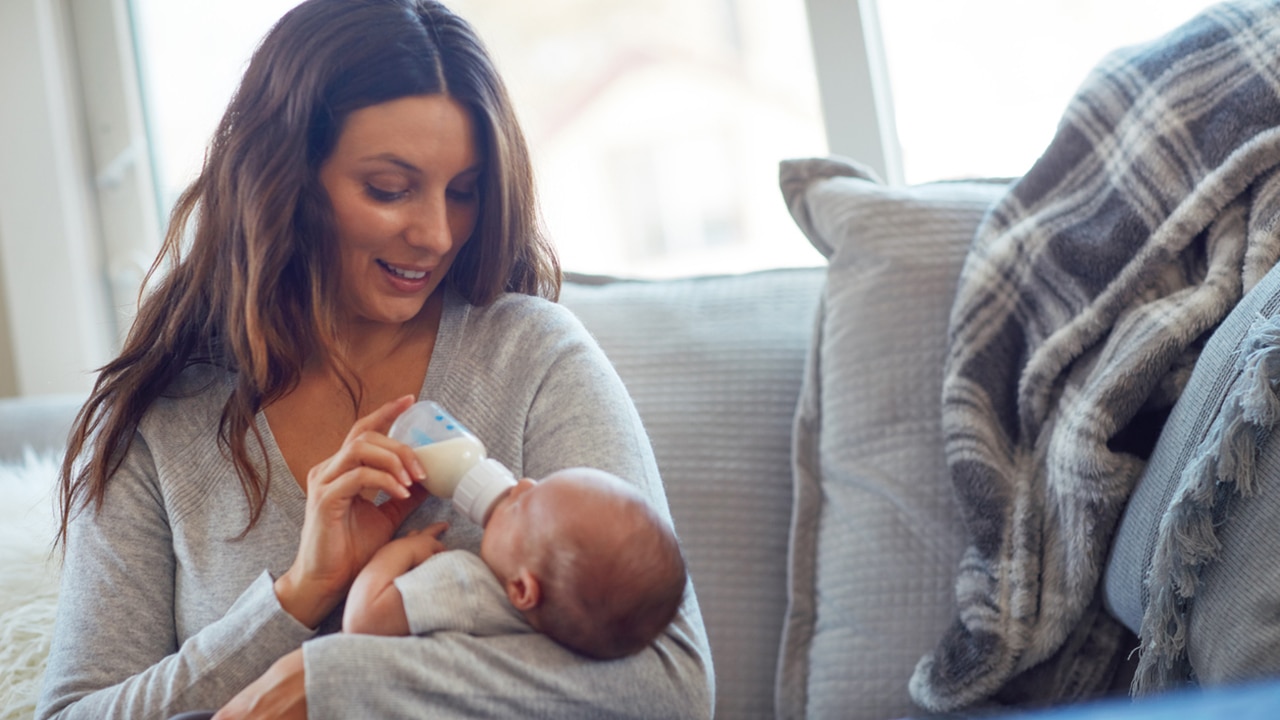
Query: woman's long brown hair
point(250, 251)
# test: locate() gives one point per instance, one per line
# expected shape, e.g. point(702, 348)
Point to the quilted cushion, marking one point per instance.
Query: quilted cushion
point(875, 537)
point(714, 366)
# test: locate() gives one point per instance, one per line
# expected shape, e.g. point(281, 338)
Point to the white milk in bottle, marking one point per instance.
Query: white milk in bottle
point(454, 460)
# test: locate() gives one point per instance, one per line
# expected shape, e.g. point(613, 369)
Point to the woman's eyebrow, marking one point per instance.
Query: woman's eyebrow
point(394, 160)
point(476, 168)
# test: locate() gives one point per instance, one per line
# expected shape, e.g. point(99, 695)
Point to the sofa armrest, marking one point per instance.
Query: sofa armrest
point(38, 422)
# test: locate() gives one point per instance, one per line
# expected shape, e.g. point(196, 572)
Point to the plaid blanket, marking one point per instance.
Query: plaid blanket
point(1082, 306)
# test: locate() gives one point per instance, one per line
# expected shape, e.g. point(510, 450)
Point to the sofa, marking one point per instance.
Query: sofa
point(818, 598)
point(795, 416)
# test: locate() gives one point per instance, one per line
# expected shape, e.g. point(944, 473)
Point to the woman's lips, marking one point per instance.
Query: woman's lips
point(407, 279)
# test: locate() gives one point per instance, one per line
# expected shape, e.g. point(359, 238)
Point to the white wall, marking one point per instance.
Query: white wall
point(60, 321)
point(8, 381)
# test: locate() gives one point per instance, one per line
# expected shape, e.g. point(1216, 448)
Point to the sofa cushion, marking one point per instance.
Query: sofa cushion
point(714, 366)
point(875, 537)
point(1197, 545)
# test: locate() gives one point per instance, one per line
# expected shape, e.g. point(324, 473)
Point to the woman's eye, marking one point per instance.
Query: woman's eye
point(381, 194)
point(467, 195)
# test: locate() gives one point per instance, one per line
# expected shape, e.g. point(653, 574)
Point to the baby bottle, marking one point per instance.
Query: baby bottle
point(454, 460)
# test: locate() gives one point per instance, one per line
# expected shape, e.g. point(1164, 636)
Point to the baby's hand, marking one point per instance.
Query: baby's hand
point(424, 542)
point(403, 554)
point(374, 605)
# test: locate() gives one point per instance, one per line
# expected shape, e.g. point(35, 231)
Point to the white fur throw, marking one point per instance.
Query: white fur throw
point(28, 580)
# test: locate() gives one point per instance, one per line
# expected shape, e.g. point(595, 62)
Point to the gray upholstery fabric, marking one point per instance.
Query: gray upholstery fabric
point(1232, 616)
point(875, 536)
point(1233, 629)
point(714, 366)
point(38, 423)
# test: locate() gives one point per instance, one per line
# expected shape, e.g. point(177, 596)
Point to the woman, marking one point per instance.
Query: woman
point(363, 233)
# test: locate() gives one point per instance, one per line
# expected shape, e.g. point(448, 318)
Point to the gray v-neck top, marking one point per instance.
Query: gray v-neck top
point(165, 608)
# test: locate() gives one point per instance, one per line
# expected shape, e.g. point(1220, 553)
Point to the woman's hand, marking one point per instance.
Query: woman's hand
point(342, 529)
point(280, 694)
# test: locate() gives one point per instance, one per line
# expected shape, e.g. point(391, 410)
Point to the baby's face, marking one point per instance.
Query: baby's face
point(510, 527)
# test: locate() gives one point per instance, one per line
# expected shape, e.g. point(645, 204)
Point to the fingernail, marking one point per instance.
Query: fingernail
point(420, 471)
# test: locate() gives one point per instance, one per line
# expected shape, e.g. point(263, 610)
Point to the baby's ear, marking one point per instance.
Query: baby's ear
point(523, 591)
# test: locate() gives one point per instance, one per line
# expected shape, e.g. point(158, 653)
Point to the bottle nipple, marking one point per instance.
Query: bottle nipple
point(480, 489)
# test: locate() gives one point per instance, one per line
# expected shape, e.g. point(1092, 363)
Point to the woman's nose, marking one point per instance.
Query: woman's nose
point(428, 227)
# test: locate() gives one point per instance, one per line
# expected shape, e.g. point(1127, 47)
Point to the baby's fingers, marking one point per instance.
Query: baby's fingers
point(426, 541)
point(435, 529)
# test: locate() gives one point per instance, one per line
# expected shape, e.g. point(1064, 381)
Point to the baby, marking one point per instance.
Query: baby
point(579, 555)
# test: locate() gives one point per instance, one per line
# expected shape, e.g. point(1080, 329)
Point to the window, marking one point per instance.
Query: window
point(979, 86)
point(191, 55)
point(656, 126)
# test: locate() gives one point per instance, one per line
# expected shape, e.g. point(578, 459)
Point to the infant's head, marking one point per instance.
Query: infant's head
point(587, 561)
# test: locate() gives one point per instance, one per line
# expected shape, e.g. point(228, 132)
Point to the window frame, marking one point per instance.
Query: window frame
point(73, 68)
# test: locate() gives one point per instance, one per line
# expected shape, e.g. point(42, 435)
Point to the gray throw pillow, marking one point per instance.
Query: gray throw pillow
point(1194, 557)
point(875, 535)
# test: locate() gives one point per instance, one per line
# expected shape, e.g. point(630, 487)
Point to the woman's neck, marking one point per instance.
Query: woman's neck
point(383, 361)
point(370, 345)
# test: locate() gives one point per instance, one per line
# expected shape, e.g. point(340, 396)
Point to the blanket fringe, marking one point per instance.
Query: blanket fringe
point(1225, 462)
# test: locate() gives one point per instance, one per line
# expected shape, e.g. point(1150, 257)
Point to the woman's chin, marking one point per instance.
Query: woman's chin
point(391, 310)
point(390, 316)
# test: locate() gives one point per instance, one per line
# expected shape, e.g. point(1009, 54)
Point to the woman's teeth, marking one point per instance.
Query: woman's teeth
point(406, 274)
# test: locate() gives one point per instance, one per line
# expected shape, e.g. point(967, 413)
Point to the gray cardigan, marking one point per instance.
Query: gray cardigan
point(163, 607)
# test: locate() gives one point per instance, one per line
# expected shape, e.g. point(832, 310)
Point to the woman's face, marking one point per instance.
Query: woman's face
point(403, 180)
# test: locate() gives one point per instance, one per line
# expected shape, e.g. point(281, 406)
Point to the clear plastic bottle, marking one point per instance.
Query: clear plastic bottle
point(454, 459)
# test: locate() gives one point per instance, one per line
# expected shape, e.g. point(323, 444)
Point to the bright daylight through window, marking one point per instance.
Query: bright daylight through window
point(657, 125)
point(978, 86)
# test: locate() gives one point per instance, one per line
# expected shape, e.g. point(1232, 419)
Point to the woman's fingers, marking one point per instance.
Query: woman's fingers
point(404, 454)
point(342, 530)
point(397, 509)
point(352, 482)
point(380, 420)
point(368, 450)
point(373, 429)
